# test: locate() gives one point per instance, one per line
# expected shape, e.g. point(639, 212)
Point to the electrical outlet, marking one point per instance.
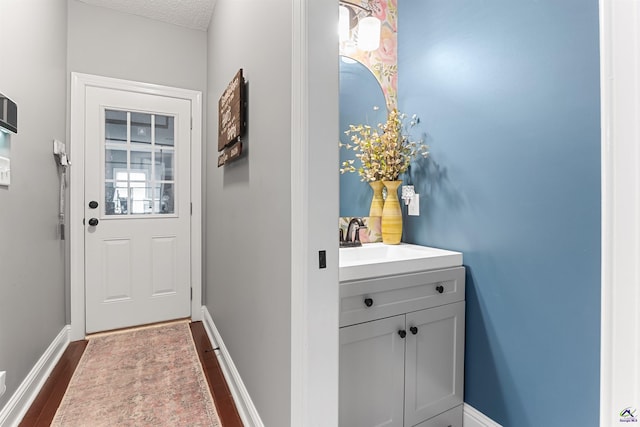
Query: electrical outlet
point(407, 193)
point(3, 387)
point(414, 205)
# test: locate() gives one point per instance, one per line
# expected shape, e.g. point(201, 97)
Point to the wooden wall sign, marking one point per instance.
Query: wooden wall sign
point(232, 121)
point(230, 154)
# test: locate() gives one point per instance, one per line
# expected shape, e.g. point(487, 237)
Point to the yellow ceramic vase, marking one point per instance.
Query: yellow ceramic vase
point(392, 214)
point(377, 202)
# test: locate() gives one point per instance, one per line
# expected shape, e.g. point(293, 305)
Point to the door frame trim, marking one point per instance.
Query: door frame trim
point(79, 83)
point(620, 295)
point(314, 290)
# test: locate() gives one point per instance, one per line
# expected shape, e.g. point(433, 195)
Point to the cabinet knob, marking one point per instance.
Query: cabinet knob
point(414, 330)
point(440, 289)
point(402, 333)
point(368, 302)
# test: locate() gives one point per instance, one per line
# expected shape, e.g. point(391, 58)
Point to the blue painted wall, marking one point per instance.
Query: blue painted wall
point(508, 94)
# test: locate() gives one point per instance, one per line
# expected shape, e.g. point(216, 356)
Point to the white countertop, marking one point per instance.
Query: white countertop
point(378, 260)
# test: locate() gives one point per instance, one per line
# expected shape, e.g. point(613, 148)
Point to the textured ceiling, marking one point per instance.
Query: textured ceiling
point(194, 14)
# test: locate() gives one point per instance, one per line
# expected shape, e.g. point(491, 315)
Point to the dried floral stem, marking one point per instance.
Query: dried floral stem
point(384, 152)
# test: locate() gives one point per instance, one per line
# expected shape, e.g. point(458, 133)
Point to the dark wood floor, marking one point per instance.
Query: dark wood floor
point(46, 404)
point(219, 389)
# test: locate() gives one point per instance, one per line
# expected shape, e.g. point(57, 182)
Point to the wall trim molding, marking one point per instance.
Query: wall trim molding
point(314, 290)
point(620, 296)
point(79, 83)
point(299, 213)
point(21, 400)
point(246, 409)
point(474, 418)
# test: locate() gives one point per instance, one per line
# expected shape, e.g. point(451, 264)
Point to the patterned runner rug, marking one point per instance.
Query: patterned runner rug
point(149, 376)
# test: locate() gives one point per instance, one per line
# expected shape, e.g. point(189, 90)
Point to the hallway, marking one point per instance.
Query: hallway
point(44, 408)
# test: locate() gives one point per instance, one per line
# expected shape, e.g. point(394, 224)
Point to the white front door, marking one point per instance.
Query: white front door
point(137, 208)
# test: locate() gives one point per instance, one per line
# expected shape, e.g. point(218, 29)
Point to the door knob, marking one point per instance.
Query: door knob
point(368, 302)
point(93, 222)
point(402, 333)
point(414, 330)
point(93, 204)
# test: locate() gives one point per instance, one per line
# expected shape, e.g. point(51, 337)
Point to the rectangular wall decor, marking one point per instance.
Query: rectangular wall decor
point(232, 123)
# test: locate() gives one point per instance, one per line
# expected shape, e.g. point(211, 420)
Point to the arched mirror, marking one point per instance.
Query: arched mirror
point(361, 101)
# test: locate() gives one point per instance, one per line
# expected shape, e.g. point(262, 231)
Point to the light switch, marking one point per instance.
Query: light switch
point(5, 171)
point(414, 205)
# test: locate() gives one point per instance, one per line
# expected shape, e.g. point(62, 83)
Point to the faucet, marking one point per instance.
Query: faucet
point(348, 240)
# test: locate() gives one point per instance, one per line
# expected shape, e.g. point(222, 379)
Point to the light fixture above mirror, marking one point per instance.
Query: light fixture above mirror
point(358, 28)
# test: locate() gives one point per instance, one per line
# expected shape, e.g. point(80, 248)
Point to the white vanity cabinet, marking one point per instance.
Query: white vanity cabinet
point(402, 350)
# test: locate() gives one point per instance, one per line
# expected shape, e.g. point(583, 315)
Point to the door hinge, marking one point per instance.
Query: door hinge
point(191, 293)
point(191, 123)
point(191, 208)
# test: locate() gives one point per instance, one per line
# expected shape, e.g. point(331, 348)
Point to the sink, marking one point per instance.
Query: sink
point(377, 259)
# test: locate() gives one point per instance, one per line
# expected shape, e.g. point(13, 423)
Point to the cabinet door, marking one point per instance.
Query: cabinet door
point(372, 374)
point(434, 362)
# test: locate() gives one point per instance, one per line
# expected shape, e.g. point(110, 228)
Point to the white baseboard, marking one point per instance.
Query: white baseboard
point(474, 418)
point(246, 408)
point(18, 405)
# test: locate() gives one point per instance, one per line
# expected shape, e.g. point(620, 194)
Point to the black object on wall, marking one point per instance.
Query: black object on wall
point(8, 114)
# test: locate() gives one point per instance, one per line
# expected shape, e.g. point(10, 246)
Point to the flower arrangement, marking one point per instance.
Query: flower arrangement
point(384, 152)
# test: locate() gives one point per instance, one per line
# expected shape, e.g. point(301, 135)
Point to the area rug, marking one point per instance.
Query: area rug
point(145, 377)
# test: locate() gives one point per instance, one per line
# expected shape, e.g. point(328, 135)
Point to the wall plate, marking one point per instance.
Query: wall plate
point(5, 171)
point(414, 205)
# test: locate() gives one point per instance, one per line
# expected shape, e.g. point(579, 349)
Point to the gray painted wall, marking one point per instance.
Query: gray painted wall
point(140, 50)
point(114, 44)
point(248, 233)
point(32, 72)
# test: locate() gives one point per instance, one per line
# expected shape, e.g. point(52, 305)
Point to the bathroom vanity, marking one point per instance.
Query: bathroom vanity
point(402, 314)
